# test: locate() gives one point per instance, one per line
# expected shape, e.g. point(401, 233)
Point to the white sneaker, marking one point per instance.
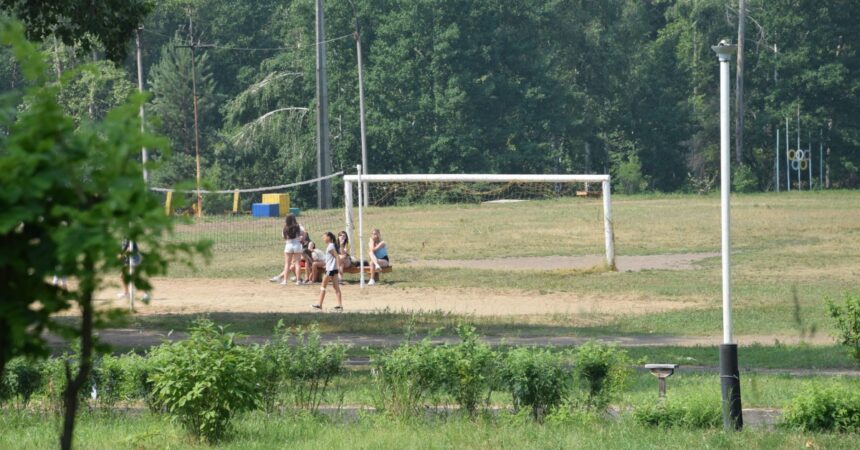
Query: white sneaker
point(121, 295)
point(292, 278)
point(371, 282)
point(284, 283)
point(146, 298)
point(275, 279)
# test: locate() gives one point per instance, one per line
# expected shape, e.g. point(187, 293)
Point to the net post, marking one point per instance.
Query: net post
point(360, 230)
point(607, 224)
point(347, 207)
point(168, 204)
point(236, 202)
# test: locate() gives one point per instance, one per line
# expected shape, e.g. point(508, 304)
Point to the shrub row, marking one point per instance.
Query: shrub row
point(416, 374)
point(203, 381)
point(829, 408)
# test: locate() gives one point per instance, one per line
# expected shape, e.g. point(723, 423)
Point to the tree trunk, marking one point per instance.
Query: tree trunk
point(739, 83)
point(74, 385)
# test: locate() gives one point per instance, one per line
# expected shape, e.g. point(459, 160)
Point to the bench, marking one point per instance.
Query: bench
point(355, 269)
point(351, 269)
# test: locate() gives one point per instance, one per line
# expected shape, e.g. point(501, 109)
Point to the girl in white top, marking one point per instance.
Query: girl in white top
point(330, 275)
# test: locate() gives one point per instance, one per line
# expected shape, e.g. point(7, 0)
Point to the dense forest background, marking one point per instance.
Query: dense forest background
point(535, 86)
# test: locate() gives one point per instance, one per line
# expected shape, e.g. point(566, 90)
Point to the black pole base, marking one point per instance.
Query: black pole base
point(730, 382)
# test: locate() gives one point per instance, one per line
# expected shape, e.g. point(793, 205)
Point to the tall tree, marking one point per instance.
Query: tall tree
point(173, 109)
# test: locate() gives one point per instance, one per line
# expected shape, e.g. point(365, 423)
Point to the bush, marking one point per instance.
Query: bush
point(407, 375)
point(744, 179)
point(22, 379)
point(824, 409)
point(536, 379)
point(108, 377)
point(692, 411)
point(469, 370)
point(135, 381)
point(54, 385)
point(627, 172)
point(306, 368)
point(206, 379)
point(311, 367)
point(603, 371)
point(847, 317)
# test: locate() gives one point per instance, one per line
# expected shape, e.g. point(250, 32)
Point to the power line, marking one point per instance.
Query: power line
point(248, 49)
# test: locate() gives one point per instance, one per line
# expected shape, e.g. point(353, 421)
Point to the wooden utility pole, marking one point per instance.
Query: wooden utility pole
point(323, 148)
point(739, 83)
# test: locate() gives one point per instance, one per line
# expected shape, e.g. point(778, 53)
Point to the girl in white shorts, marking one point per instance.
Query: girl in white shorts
point(292, 250)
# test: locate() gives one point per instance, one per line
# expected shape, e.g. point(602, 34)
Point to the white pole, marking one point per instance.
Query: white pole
point(730, 381)
point(361, 108)
point(360, 231)
point(607, 225)
point(777, 160)
point(143, 155)
point(347, 204)
point(725, 190)
point(787, 161)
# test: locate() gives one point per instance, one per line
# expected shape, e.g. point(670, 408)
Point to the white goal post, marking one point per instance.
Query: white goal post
point(348, 180)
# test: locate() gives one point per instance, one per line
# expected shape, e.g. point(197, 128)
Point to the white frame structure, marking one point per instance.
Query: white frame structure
point(349, 180)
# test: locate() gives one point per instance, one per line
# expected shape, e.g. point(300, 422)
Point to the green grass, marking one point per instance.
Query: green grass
point(791, 251)
point(258, 431)
point(753, 356)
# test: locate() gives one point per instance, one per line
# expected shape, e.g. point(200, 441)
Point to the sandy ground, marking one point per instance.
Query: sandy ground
point(201, 295)
point(680, 261)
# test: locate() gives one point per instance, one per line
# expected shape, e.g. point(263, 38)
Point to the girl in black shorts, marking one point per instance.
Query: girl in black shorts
point(331, 254)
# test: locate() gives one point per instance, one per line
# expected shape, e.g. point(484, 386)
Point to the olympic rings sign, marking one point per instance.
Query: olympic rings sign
point(799, 159)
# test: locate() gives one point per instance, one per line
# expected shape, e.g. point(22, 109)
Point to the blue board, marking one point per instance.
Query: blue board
point(265, 210)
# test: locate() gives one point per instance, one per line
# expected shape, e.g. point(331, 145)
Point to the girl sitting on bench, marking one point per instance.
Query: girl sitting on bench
point(378, 254)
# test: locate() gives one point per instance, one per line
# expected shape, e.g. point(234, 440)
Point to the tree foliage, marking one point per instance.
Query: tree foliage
point(105, 24)
point(71, 195)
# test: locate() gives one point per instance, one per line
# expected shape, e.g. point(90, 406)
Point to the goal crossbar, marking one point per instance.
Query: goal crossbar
point(348, 180)
point(489, 178)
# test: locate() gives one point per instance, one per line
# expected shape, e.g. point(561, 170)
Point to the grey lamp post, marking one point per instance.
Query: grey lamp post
point(729, 373)
point(357, 37)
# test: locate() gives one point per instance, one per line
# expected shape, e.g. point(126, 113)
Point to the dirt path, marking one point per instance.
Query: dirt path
point(203, 295)
point(138, 338)
point(680, 261)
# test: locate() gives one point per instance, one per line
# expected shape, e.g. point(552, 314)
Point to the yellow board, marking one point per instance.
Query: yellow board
point(236, 201)
point(283, 200)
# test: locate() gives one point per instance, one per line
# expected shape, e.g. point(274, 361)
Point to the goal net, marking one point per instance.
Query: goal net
point(482, 220)
point(244, 243)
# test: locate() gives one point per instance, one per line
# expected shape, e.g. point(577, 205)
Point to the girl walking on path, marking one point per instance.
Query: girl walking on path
point(331, 255)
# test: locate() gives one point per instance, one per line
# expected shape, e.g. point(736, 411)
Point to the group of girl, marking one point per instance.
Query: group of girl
point(332, 261)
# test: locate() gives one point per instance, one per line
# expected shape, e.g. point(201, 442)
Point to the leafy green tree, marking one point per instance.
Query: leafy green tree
point(71, 194)
point(107, 24)
point(89, 93)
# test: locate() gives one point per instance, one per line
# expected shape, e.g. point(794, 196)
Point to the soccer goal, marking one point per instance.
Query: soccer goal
point(464, 217)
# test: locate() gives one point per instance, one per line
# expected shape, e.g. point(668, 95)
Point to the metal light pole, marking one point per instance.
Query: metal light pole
point(138, 57)
point(729, 374)
point(357, 37)
point(323, 148)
